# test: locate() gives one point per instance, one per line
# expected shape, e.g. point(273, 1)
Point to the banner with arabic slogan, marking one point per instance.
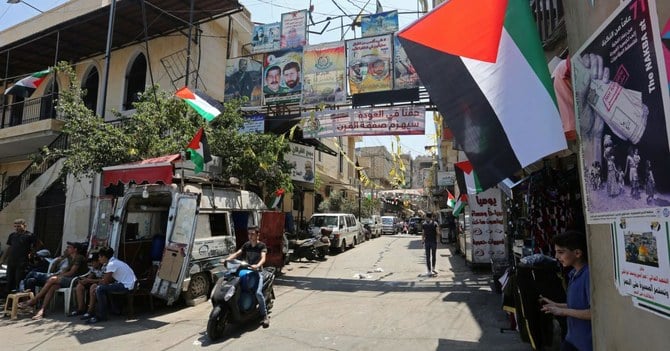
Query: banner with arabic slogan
point(405, 120)
point(323, 74)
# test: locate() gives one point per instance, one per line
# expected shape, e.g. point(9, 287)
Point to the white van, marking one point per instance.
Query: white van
point(389, 225)
point(174, 238)
point(346, 229)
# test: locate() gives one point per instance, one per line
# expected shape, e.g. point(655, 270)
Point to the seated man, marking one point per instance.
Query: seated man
point(42, 267)
point(76, 267)
point(88, 283)
point(118, 277)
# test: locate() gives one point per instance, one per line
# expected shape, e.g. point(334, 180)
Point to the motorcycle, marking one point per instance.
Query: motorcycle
point(234, 297)
point(304, 248)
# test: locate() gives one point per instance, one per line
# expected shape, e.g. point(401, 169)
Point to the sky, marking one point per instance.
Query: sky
point(268, 11)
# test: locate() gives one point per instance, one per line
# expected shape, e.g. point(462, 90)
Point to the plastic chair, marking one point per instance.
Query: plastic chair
point(67, 294)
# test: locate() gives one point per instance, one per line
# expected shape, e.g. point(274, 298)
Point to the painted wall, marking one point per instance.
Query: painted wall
point(617, 325)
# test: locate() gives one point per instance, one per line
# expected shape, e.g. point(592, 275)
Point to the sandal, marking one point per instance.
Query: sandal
point(76, 313)
point(38, 316)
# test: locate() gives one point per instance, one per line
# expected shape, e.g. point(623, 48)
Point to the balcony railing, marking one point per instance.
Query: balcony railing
point(28, 111)
point(549, 16)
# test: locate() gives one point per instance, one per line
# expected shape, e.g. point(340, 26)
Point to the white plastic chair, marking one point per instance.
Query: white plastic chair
point(67, 294)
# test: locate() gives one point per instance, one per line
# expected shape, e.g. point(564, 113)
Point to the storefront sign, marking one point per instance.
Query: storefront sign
point(407, 120)
point(254, 124)
point(302, 159)
point(445, 178)
point(642, 262)
point(621, 98)
point(488, 227)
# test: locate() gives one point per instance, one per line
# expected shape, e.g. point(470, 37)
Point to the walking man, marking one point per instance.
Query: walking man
point(19, 245)
point(429, 240)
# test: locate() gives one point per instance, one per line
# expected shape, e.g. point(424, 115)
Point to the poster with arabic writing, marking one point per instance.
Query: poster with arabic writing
point(405, 120)
point(642, 262)
point(323, 74)
point(293, 29)
point(369, 64)
point(488, 228)
point(379, 23)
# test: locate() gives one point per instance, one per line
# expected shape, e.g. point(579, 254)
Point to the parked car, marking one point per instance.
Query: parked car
point(375, 227)
point(415, 225)
point(346, 229)
point(389, 225)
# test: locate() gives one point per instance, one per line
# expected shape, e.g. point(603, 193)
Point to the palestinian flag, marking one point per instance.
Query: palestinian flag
point(26, 86)
point(277, 198)
point(451, 200)
point(198, 149)
point(460, 205)
point(483, 65)
point(470, 178)
point(205, 105)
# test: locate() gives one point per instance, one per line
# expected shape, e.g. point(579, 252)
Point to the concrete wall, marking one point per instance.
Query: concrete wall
point(617, 324)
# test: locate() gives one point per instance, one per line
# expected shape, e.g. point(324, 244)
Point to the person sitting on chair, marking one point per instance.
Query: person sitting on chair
point(88, 283)
point(118, 277)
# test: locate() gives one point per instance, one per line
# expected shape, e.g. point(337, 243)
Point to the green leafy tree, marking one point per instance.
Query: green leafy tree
point(163, 125)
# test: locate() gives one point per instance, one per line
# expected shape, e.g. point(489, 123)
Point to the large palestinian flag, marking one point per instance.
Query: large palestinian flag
point(205, 105)
point(482, 64)
point(26, 86)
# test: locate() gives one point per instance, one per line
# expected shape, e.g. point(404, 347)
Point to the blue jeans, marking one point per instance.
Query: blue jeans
point(431, 250)
point(102, 298)
point(259, 296)
point(35, 279)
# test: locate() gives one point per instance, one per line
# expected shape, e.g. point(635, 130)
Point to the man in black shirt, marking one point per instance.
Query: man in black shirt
point(254, 251)
point(19, 245)
point(429, 240)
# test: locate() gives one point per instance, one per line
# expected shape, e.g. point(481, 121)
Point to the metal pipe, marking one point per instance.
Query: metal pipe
point(108, 52)
point(188, 48)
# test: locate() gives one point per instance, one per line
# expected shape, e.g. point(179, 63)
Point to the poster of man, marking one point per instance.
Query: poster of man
point(293, 29)
point(379, 23)
point(243, 80)
point(323, 74)
point(405, 75)
point(282, 76)
point(621, 99)
point(266, 37)
point(369, 62)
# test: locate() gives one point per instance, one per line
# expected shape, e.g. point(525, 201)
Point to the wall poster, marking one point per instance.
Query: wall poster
point(405, 75)
point(488, 226)
point(302, 159)
point(323, 74)
point(379, 23)
point(243, 79)
point(266, 37)
point(282, 76)
point(293, 29)
point(621, 99)
point(369, 63)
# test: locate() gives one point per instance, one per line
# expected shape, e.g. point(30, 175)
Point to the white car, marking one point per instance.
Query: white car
point(346, 229)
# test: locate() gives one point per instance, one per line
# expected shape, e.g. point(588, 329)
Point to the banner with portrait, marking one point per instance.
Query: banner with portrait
point(323, 74)
point(243, 79)
point(642, 262)
point(621, 99)
point(266, 38)
point(405, 75)
point(282, 76)
point(379, 23)
point(369, 64)
point(301, 157)
point(293, 29)
point(405, 120)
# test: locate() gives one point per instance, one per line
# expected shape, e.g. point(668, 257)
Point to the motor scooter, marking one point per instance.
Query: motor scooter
point(300, 248)
point(234, 297)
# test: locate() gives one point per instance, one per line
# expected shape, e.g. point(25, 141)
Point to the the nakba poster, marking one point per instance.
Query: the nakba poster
point(369, 64)
point(301, 157)
point(293, 29)
point(243, 79)
point(404, 74)
point(642, 262)
point(622, 109)
point(488, 227)
point(282, 76)
point(323, 74)
point(266, 38)
point(379, 23)
point(405, 120)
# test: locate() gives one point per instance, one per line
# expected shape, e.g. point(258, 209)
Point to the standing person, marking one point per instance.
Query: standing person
point(118, 277)
point(451, 226)
point(19, 245)
point(571, 252)
point(429, 240)
point(88, 283)
point(254, 251)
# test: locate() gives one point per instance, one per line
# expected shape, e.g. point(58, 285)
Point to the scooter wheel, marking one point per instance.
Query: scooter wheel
point(217, 323)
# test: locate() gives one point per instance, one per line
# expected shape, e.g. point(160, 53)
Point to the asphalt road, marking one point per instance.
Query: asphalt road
point(372, 297)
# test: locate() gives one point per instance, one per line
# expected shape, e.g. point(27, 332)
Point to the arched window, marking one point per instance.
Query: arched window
point(48, 108)
point(135, 81)
point(90, 83)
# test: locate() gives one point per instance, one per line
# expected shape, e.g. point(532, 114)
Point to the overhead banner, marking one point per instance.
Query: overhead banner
point(282, 76)
point(243, 79)
point(369, 62)
point(405, 75)
point(323, 74)
point(642, 262)
point(621, 98)
point(302, 159)
point(379, 23)
point(488, 227)
point(406, 120)
point(266, 38)
point(293, 29)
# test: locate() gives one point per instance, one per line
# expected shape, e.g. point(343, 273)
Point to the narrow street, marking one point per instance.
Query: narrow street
point(371, 297)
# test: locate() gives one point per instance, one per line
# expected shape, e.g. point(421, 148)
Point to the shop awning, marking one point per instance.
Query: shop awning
point(152, 170)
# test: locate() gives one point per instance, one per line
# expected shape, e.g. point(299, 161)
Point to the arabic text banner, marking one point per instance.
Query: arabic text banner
point(407, 120)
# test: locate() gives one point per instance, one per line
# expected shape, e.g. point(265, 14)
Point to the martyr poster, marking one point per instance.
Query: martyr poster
point(369, 64)
point(323, 74)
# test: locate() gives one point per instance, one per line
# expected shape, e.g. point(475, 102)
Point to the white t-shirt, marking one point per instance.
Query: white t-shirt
point(121, 272)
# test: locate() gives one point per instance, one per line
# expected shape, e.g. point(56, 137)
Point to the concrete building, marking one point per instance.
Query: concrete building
point(377, 163)
point(76, 32)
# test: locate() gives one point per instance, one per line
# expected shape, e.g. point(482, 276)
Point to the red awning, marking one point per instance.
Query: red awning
point(152, 170)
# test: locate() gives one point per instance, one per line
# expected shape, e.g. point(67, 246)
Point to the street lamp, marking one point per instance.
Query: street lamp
point(31, 6)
